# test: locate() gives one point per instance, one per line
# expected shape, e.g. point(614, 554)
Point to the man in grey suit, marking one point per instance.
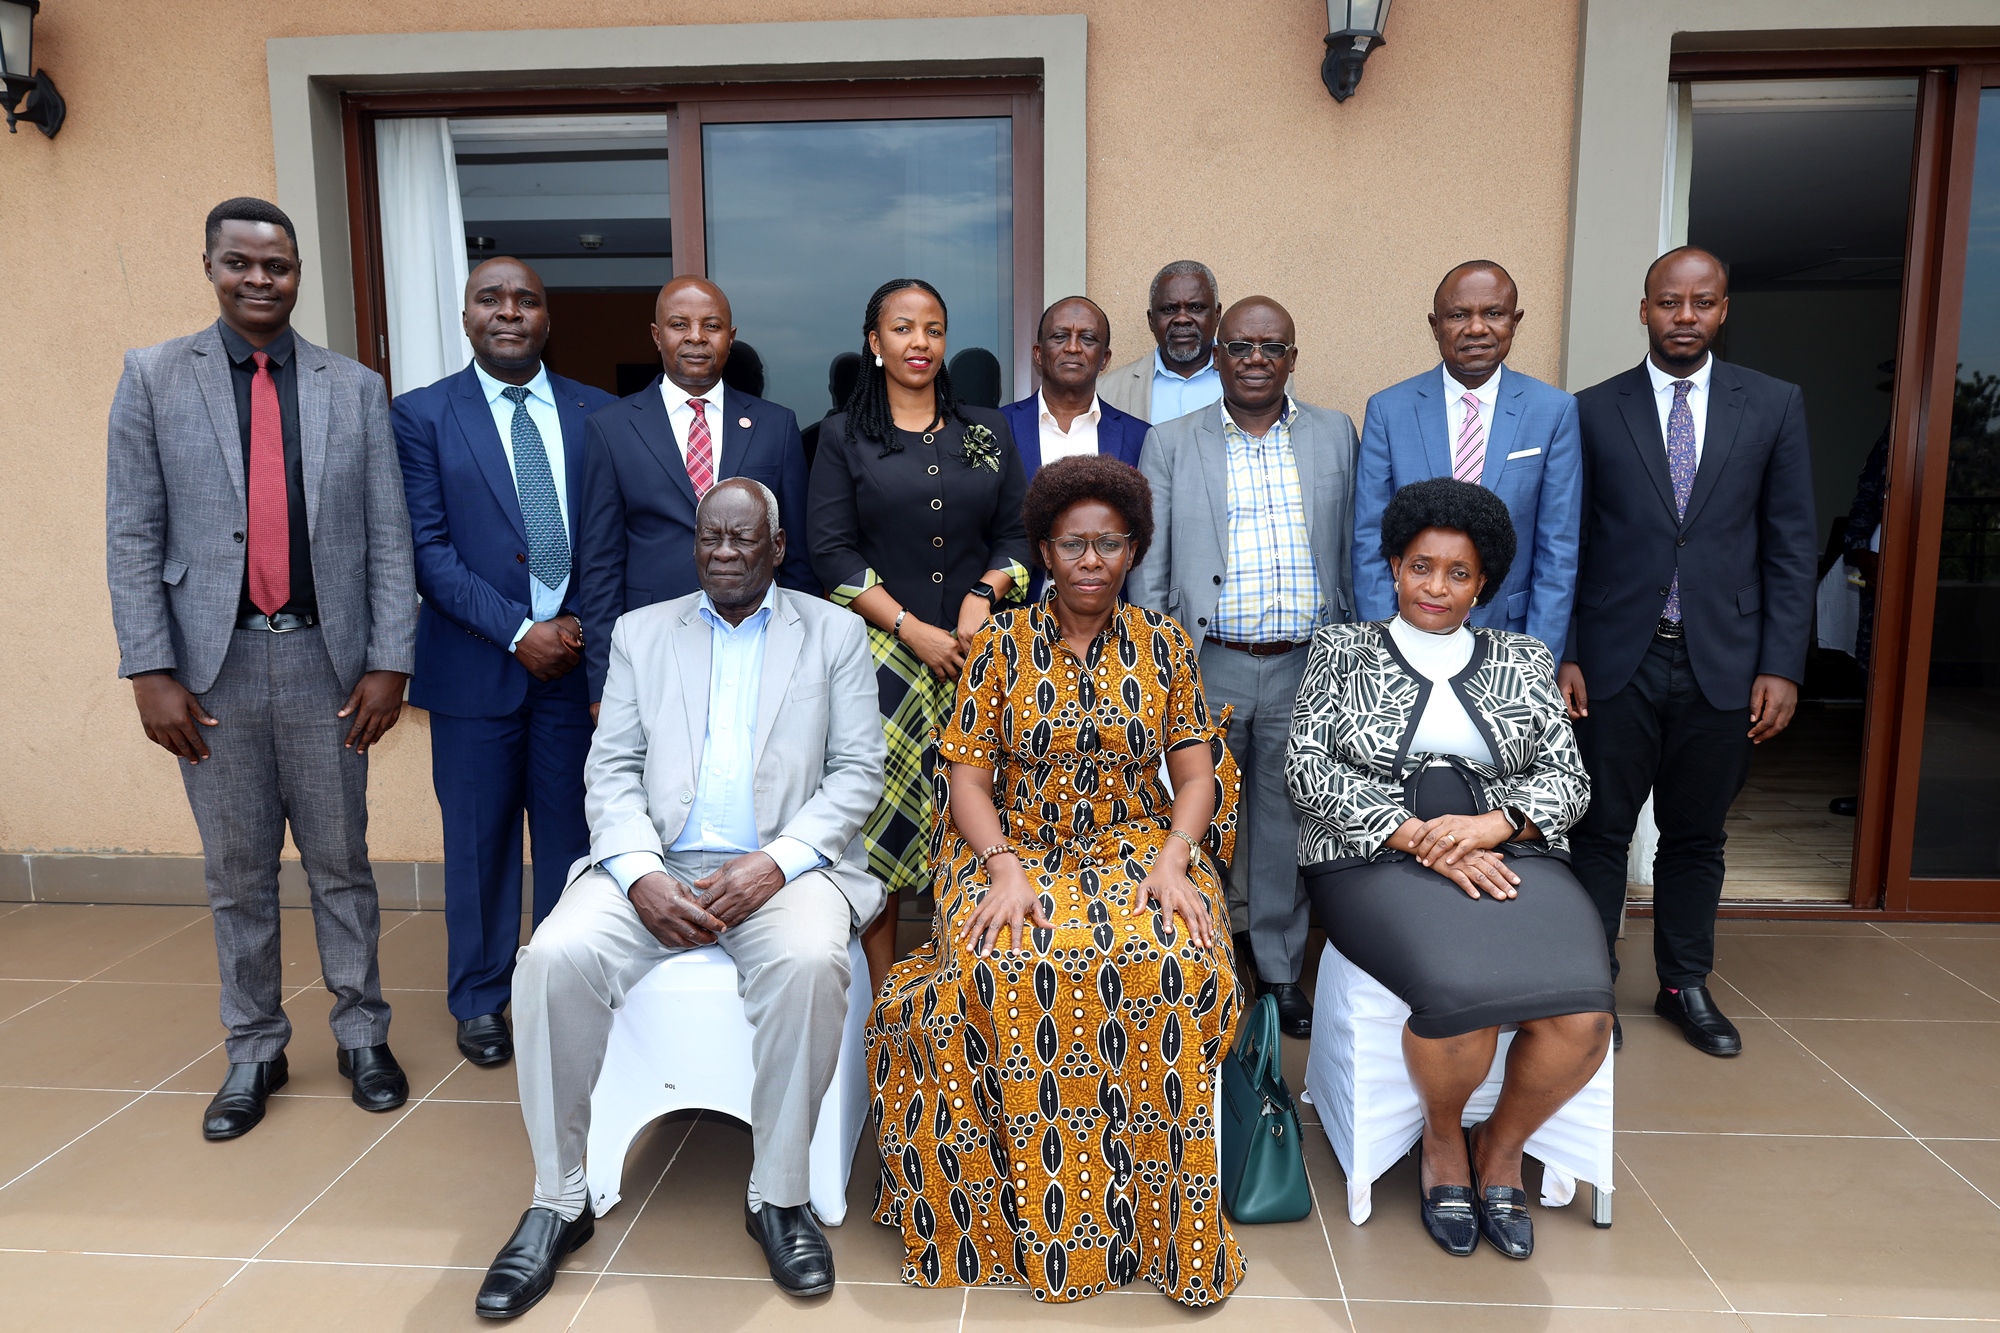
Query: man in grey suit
point(738, 749)
point(266, 608)
point(1253, 513)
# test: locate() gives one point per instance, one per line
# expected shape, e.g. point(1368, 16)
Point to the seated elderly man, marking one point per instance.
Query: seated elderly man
point(736, 754)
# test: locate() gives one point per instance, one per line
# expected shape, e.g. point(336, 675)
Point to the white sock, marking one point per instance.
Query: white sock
point(568, 1200)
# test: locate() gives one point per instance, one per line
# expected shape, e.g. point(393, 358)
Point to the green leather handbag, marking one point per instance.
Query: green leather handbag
point(1263, 1162)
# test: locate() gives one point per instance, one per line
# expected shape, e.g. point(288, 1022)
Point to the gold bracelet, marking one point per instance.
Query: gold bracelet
point(1194, 848)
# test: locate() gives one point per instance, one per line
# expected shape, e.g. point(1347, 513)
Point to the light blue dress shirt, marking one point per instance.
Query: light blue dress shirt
point(1176, 397)
point(546, 602)
point(723, 817)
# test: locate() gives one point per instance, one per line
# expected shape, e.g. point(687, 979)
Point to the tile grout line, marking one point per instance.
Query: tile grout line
point(74, 983)
point(1633, 1176)
point(1319, 1210)
point(1942, 968)
point(597, 1279)
point(964, 1304)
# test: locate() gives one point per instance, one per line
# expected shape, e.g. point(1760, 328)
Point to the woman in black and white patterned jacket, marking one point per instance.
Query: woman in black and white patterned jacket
point(1435, 773)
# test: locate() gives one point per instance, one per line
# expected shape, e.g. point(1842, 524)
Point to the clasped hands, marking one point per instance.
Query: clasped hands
point(683, 916)
point(1011, 906)
point(943, 651)
point(551, 649)
point(1460, 847)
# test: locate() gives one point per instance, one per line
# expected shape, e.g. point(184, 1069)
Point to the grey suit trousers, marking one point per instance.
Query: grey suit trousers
point(277, 757)
point(1264, 888)
point(571, 978)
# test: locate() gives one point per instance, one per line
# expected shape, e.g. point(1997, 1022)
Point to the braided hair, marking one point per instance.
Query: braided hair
point(867, 409)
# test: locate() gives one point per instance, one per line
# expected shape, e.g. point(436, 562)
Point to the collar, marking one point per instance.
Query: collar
point(1285, 418)
point(756, 620)
point(1042, 413)
point(1488, 393)
point(1664, 383)
point(675, 397)
point(1043, 620)
point(1160, 368)
point(538, 387)
point(239, 350)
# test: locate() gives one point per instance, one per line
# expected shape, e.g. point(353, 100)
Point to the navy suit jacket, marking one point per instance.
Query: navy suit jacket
point(1747, 549)
point(1119, 434)
point(638, 506)
point(471, 544)
point(1534, 462)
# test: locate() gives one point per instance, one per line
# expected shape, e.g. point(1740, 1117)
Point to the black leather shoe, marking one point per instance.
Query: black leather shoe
point(1447, 1212)
point(1503, 1213)
point(801, 1260)
point(525, 1268)
point(485, 1040)
point(1295, 1011)
point(379, 1084)
point(235, 1110)
point(1693, 1011)
point(1844, 805)
point(1617, 1034)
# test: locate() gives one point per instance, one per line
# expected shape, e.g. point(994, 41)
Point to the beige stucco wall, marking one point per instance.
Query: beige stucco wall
point(1209, 136)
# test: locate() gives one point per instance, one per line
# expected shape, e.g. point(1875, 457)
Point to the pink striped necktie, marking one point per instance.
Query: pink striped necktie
point(1469, 462)
point(700, 451)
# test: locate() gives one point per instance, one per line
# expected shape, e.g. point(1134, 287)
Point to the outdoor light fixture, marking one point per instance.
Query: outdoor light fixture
point(1354, 28)
point(44, 107)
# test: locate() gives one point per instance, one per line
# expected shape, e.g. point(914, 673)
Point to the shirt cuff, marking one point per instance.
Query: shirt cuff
point(520, 634)
point(794, 858)
point(628, 868)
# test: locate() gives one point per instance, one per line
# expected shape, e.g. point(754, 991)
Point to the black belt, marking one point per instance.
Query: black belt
point(1275, 649)
point(1669, 629)
point(283, 622)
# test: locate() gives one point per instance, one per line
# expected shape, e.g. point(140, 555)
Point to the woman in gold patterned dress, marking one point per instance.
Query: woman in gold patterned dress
point(1045, 1068)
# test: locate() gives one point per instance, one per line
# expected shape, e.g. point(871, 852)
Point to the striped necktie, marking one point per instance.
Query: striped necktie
point(700, 451)
point(1469, 462)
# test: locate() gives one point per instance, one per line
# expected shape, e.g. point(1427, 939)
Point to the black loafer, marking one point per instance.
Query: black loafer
point(525, 1268)
point(1295, 1011)
point(1447, 1212)
point(378, 1080)
point(1503, 1213)
point(485, 1040)
point(1693, 1011)
point(235, 1110)
point(801, 1261)
point(1617, 1034)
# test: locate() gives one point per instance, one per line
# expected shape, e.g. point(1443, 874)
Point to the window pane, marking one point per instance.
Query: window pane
point(805, 220)
point(1958, 790)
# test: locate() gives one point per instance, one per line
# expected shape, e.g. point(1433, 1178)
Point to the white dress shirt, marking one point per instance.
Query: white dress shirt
point(1445, 727)
point(1663, 399)
point(681, 416)
point(1080, 438)
point(545, 603)
point(1488, 396)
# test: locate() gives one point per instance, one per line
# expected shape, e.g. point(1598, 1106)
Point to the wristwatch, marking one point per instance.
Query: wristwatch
point(983, 589)
point(1514, 818)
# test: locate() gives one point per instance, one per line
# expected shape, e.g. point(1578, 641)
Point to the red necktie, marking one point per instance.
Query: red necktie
point(270, 551)
point(701, 452)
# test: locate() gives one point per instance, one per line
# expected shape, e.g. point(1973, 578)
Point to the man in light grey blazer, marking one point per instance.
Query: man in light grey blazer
point(738, 750)
point(1179, 375)
point(1253, 514)
point(265, 601)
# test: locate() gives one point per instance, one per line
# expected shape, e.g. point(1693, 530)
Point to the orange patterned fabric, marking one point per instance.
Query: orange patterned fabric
point(1048, 1115)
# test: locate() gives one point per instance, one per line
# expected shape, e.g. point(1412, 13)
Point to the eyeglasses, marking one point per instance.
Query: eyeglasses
point(1110, 545)
point(1240, 349)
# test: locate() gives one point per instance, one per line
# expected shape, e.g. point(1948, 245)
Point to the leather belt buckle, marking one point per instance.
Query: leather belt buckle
point(1275, 649)
point(1670, 629)
point(279, 622)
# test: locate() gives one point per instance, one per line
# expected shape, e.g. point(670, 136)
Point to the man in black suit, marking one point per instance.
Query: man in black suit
point(651, 457)
point(1694, 606)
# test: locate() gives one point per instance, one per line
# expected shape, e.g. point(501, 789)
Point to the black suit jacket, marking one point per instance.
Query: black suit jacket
point(635, 541)
point(1746, 551)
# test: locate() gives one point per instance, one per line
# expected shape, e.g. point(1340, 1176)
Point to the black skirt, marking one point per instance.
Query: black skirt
point(1462, 963)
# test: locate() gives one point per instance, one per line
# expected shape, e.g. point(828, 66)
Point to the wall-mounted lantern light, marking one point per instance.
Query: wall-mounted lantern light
point(1354, 28)
point(44, 107)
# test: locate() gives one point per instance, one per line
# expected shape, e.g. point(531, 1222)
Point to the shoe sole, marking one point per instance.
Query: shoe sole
point(581, 1241)
point(485, 1064)
point(283, 1079)
point(1687, 1031)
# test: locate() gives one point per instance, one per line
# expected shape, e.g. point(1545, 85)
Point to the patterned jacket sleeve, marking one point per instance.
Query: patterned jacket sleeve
point(1553, 791)
point(1327, 784)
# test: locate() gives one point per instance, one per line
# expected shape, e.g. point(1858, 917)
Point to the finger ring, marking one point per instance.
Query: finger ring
point(1451, 837)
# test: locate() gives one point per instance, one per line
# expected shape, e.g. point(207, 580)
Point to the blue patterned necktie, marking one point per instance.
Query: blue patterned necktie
point(1681, 461)
point(548, 543)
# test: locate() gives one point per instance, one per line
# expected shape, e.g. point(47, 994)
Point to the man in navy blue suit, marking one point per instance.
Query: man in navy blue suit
point(1477, 419)
point(1072, 347)
point(493, 471)
point(651, 458)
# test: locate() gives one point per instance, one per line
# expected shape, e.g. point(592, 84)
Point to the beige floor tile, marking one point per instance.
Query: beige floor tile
point(1372, 1317)
point(650, 1304)
point(89, 1293)
point(1141, 1306)
point(412, 956)
point(471, 1083)
point(1937, 1079)
point(692, 1226)
point(145, 1182)
point(16, 996)
point(1927, 930)
point(1774, 1221)
point(41, 1120)
point(1975, 961)
point(189, 955)
point(1844, 977)
point(1754, 926)
point(333, 1298)
point(62, 941)
point(1778, 1323)
point(1774, 1087)
point(109, 1035)
point(1977, 1162)
point(422, 1037)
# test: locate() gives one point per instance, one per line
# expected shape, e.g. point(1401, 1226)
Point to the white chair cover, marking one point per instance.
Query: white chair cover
point(1368, 1107)
point(681, 1043)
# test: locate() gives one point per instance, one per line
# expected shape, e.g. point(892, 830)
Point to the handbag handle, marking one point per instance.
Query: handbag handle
point(1257, 1045)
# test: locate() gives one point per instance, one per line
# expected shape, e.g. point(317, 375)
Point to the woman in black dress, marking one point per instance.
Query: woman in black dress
point(913, 519)
point(1435, 772)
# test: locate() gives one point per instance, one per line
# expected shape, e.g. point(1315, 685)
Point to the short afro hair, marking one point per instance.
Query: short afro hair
point(1081, 477)
point(246, 209)
point(1445, 502)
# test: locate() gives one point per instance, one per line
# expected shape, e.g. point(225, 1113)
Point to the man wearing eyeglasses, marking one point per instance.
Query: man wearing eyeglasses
point(1253, 516)
point(1182, 309)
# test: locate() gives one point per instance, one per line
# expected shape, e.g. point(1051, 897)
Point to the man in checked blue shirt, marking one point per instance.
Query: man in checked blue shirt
point(1253, 515)
point(492, 470)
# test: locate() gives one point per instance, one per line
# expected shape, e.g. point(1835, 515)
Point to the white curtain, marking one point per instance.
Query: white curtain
point(423, 251)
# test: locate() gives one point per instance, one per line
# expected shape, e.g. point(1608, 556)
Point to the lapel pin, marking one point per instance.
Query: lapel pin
point(743, 422)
